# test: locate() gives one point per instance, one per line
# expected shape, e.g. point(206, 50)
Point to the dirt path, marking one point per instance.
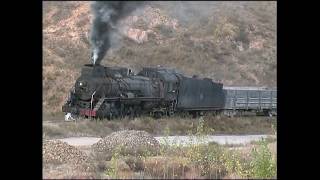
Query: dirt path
point(181, 140)
point(81, 141)
point(222, 139)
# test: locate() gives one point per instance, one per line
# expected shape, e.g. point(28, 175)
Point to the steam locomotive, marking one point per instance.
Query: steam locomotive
point(116, 92)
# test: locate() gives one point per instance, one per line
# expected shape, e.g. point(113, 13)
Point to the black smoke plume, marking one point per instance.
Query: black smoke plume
point(106, 16)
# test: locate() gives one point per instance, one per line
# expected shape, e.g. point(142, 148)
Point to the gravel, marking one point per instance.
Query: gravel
point(129, 141)
point(55, 151)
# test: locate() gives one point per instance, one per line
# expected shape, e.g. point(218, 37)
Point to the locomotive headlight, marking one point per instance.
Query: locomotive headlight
point(82, 83)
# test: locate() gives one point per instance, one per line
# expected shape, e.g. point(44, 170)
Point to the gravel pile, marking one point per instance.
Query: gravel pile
point(55, 151)
point(127, 142)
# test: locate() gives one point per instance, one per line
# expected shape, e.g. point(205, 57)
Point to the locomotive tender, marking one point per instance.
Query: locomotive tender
point(116, 92)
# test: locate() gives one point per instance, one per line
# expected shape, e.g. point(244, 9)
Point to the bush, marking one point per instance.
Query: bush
point(166, 167)
point(263, 165)
point(135, 163)
point(207, 159)
point(236, 164)
point(258, 164)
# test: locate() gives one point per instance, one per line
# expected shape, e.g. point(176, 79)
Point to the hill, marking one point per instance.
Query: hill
point(234, 42)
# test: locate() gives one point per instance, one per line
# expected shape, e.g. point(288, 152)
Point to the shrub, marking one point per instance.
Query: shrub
point(235, 163)
point(258, 164)
point(263, 165)
point(166, 167)
point(207, 159)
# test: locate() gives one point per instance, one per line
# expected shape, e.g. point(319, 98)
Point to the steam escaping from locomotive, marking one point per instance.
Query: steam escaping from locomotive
point(106, 16)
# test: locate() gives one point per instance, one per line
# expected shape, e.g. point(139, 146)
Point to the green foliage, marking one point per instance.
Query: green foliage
point(274, 127)
point(112, 170)
point(215, 161)
point(263, 164)
point(210, 161)
point(207, 158)
point(235, 163)
point(200, 127)
point(259, 164)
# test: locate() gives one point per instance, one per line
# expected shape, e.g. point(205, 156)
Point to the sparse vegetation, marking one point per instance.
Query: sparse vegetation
point(170, 126)
point(255, 160)
point(263, 164)
point(208, 161)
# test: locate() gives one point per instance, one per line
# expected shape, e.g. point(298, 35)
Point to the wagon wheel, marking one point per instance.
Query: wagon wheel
point(131, 112)
point(157, 114)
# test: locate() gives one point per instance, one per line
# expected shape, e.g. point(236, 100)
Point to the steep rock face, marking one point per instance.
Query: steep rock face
point(234, 42)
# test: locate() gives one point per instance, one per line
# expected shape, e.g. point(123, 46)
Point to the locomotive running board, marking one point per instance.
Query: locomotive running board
point(101, 100)
point(134, 99)
point(200, 108)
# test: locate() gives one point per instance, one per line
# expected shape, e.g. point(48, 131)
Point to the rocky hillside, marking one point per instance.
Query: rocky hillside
point(234, 42)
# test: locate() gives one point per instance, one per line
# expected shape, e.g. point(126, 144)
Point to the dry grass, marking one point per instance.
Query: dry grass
point(68, 171)
point(164, 126)
point(213, 161)
point(166, 167)
point(209, 162)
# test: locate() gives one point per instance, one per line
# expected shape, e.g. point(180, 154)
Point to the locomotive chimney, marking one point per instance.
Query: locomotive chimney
point(94, 57)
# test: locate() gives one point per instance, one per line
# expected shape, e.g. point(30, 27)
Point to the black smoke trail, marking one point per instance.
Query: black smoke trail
point(106, 16)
